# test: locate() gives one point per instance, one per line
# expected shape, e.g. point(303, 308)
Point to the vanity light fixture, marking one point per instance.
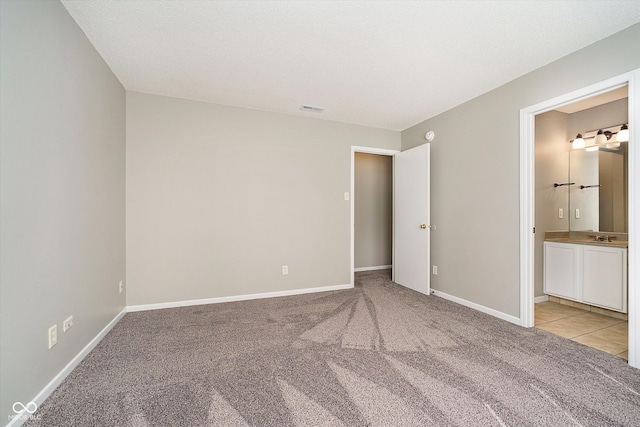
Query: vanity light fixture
point(602, 138)
point(623, 134)
point(578, 142)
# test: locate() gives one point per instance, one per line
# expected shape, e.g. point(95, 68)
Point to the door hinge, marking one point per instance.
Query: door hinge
point(534, 230)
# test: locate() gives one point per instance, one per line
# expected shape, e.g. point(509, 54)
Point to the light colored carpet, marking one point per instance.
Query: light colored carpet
point(378, 355)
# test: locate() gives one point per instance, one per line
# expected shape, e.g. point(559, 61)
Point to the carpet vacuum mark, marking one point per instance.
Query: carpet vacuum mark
point(376, 355)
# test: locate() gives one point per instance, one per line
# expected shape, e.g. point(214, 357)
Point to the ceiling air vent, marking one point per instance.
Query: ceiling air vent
point(311, 109)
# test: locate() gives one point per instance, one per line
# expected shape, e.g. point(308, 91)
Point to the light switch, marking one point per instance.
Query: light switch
point(346, 195)
point(577, 213)
point(560, 213)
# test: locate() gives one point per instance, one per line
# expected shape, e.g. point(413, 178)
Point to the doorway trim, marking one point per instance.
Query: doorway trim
point(527, 199)
point(352, 224)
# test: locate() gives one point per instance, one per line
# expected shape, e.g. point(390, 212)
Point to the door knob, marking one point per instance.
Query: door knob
point(423, 226)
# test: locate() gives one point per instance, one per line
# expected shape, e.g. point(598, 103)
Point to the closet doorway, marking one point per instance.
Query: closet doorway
point(366, 262)
point(373, 212)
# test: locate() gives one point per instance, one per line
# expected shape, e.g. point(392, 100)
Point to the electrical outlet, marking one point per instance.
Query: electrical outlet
point(67, 324)
point(53, 335)
point(285, 270)
point(120, 286)
point(434, 270)
point(560, 213)
point(577, 213)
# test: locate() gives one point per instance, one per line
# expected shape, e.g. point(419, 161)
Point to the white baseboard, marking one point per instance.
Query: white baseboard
point(23, 416)
point(378, 267)
point(482, 308)
point(217, 300)
point(543, 298)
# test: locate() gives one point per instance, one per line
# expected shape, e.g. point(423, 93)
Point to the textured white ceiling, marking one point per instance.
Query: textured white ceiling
point(388, 64)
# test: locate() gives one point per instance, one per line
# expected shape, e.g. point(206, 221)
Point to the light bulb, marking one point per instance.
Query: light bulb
point(578, 142)
point(600, 138)
point(623, 134)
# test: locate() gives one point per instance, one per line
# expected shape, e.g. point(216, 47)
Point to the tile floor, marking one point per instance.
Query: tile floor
point(591, 329)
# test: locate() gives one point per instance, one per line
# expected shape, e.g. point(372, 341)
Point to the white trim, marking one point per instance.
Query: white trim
point(527, 217)
point(377, 267)
point(633, 254)
point(473, 305)
point(352, 224)
point(527, 195)
point(233, 298)
point(371, 150)
point(20, 418)
point(543, 298)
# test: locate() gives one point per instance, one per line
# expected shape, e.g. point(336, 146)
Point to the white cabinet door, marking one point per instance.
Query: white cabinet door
point(605, 277)
point(562, 270)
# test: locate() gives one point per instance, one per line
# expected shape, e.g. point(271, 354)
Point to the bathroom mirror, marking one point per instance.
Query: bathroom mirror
point(598, 199)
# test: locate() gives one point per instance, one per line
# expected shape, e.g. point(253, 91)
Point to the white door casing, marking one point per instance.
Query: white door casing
point(411, 219)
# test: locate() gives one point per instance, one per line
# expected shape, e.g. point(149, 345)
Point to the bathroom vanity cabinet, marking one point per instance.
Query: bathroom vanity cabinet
point(590, 274)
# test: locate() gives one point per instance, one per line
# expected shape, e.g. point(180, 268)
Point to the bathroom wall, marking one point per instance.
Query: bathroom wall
point(552, 166)
point(602, 116)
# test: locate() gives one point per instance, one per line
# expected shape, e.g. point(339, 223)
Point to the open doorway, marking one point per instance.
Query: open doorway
point(373, 206)
point(581, 217)
point(527, 200)
point(374, 256)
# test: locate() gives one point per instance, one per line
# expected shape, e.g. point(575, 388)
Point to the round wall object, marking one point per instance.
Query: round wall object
point(429, 136)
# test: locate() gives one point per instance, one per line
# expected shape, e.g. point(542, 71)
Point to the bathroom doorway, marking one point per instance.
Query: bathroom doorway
point(581, 195)
point(529, 250)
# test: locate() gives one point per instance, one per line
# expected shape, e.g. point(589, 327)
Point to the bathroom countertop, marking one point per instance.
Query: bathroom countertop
point(579, 241)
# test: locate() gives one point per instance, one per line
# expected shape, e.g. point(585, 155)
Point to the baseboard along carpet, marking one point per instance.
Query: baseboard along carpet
point(375, 355)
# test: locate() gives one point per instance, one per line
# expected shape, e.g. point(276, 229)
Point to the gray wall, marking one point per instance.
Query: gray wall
point(373, 197)
point(475, 199)
point(62, 187)
point(220, 198)
point(552, 166)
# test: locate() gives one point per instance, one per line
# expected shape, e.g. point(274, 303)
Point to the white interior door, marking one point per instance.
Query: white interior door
point(411, 218)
